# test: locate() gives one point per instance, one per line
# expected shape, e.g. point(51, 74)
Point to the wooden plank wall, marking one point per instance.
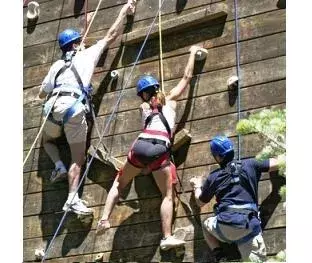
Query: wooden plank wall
point(204, 110)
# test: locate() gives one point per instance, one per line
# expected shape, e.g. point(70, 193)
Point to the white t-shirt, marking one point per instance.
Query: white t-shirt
point(156, 123)
point(85, 62)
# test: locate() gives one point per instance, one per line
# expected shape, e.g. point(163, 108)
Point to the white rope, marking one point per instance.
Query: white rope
point(160, 50)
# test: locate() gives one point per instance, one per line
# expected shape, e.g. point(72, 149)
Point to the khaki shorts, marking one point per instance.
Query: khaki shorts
point(254, 250)
point(76, 129)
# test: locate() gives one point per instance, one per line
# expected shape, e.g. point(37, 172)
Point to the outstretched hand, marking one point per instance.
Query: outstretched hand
point(196, 182)
point(194, 49)
point(131, 7)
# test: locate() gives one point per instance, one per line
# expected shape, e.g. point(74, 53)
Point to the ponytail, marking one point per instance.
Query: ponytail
point(158, 100)
point(161, 98)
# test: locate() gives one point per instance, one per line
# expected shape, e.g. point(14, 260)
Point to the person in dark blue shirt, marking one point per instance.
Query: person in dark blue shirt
point(235, 186)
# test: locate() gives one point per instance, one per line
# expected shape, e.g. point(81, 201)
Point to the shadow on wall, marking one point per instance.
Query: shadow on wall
point(281, 4)
point(78, 6)
point(31, 25)
point(180, 5)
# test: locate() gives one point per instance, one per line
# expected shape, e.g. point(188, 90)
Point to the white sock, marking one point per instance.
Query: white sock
point(60, 164)
point(71, 196)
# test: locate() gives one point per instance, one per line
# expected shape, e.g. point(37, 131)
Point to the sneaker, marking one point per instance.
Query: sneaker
point(58, 174)
point(78, 208)
point(171, 242)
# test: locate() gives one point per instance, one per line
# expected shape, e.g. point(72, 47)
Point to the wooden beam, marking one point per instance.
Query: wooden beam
point(104, 157)
point(175, 25)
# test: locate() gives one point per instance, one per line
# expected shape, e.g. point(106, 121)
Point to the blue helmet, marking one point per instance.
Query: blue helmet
point(146, 82)
point(67, 36)
point(221, 146)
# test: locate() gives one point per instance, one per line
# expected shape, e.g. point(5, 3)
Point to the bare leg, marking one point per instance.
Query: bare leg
point(50, 148)
point(164, 183)
point(120, 182)
point(78, 157)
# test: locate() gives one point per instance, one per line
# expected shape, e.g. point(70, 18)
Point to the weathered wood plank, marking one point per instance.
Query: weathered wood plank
point(250, 27)
point(123, 237)
point(251, 74)
point(120, 142)
point(212, 36)
point(198, 155)
point(260, 28)
point(197, 109)
point(195, 251)
point(38, 54)
point(35, 75)
point(254, 46)
point(143, 210)
point(43, 33)
point(48, 11)
point(76, 8)
point(174, 25)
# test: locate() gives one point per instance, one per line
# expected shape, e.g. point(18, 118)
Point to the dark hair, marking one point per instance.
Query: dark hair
point(227, 158)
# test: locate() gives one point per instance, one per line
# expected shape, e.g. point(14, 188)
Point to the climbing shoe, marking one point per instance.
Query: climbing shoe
point(171, 242)
point(58, 174)
point(78, 208)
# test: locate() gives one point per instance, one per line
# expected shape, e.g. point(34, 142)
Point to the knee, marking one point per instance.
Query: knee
point(75, 168)
point(167, 197)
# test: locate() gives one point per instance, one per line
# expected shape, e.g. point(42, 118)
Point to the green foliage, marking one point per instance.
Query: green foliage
point(271, 127)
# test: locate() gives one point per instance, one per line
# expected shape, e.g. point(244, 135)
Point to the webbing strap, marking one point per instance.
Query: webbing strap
point(255, 231)
point(70, 112)
point(59, 73)
point(163, 120)
point(77, 76)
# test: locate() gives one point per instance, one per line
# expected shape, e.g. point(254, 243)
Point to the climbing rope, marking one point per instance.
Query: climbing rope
point(57, 94)
point(40, 130)
point(161, 51)
point(86, 16)
point(237, 52)
point(104, 132)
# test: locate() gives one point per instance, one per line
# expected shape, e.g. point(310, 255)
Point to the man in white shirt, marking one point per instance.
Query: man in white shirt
point(70, 78)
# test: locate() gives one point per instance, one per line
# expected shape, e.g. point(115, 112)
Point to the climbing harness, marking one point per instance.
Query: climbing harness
point(56, 96)
point(237, 52)
point(237, 176)
point(255, 231)
point(83, 98)
point(105, 128)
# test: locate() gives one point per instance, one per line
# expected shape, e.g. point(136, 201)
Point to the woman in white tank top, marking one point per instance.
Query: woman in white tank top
point(151, 150)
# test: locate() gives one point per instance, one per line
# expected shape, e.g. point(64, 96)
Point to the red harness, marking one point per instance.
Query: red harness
point(164, 160)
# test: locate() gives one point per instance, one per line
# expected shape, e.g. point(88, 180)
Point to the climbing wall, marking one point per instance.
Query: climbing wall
point(206, 110)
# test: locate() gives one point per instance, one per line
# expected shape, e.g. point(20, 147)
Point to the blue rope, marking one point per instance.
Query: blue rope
point(104, 132)
point(237, 51)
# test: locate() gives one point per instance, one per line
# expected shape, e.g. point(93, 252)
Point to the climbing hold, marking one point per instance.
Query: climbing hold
point(232, 82)
point(114, 74)
point(201, 54)
point(39, 254)
point(33, 10)
point(99, 257)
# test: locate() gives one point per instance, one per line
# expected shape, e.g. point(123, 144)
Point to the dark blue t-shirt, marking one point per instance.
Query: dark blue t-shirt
point(217, 184)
